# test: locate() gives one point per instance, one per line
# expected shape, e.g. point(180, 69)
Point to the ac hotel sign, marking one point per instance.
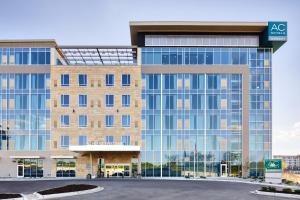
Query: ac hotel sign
point(277, 31)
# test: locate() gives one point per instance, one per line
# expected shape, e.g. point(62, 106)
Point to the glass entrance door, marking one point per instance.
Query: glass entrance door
point(20, 170)
point(224, 170)
point(117, 170)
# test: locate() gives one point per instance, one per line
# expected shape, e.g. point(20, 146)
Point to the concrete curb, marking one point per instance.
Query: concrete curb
point(276, 194)
point(226, 180)
point(67, 194)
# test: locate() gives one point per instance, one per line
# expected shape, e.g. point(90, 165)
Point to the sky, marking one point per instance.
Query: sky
point(106, 22)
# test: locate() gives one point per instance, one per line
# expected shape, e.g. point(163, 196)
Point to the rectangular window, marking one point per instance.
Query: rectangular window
point(212, 82)
point(126, 139)
point(125, 121)
point(125, 100)
point(110, 80)
point(82, 79)
point(153, 81)
point(109, 121)
point(109, 139)
point(82, 121)
point(212, 101)
point(64, 141)
point(82, 100)
point(65, 79)
point(82, 140)
point(64, 120)
point(125, 79)
point(169, 101)
point(109, 99)
point(169, 81)
point(64, 100)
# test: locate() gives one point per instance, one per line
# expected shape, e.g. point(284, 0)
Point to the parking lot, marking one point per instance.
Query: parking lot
point(132, 189)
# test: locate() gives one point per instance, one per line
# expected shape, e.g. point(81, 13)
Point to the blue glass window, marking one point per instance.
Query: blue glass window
point(169, 81)
point(212, 101)
point(125, 121)
point(64, 100)
point(65, 80)
point(82, 100)
point(110, 80)
point(196, 101)
point(64, 141)
point(125, 79)
point(169, 101)
point(209, 58)
point(126, 139)
point(212, 82)
point(169, 122)
point(82, 140)
point(109, 139)
point(213, 121)
point(21, 101)
point(82, 121)
point(153, 81)
point(82, 79)
point(109, 121)
point(64, 120)
point(34, 56)
point(109, 99)
point(125, 100)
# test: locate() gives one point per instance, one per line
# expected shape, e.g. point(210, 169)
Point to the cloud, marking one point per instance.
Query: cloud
point(287, 142)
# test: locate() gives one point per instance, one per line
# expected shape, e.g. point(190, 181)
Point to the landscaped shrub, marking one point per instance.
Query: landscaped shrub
point(268, 189)
point(287, 190)
point(265, 189)
point(297, 191)
point(271, 189)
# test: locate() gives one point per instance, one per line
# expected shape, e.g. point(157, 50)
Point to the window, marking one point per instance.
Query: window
point(125, 79)
point(65, 168)
point(213, 101)
point(110, 80)
point(82, 140)
point(153, 81)
point(169, 101)
point(109, 99)
point(82, 121)
point(126, 139)
point(125, 120)
point(82, 79)
point(212, 81)
point(125, 100)
point(82, 100)
point(64, 100)
point(64, 141)
point(65, 80)
point(169, 81)
point(109, 139)
point(109, 121)
point(64, 120)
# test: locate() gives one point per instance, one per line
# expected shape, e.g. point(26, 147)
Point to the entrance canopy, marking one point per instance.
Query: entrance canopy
point(105, 148)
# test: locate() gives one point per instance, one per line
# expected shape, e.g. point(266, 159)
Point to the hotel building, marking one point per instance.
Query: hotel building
point(184, 99)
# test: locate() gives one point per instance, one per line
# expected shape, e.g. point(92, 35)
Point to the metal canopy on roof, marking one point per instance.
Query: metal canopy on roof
point(98, 55)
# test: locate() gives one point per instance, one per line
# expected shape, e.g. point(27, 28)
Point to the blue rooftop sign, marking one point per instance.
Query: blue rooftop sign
point(277, 31)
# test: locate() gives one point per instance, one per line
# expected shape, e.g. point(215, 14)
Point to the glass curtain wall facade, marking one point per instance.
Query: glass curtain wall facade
point(192, 124)
point(25, 111)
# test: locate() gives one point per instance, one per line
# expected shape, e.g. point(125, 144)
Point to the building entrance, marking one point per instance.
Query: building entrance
point(117, 170)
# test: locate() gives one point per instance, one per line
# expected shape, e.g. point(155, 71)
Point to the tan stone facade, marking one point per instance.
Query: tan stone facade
point(96, 111)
